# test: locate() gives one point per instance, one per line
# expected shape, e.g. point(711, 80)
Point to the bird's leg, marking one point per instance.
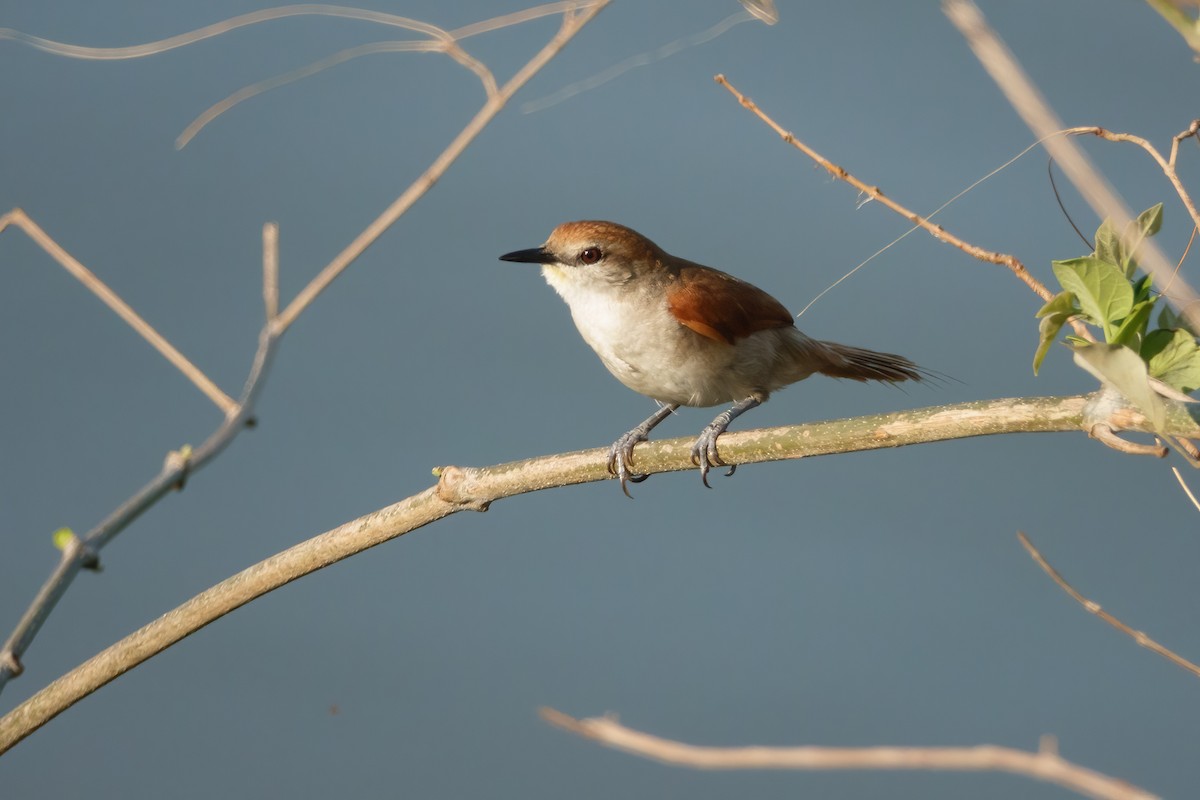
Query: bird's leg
point(704, 451)
point(620, 455)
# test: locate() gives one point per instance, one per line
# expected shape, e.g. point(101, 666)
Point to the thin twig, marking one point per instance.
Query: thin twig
point(1045, 764)
point(1191, 132)
point(1167, 166)
point(572, 23)
point(1025, 98)
point(175, 470)
point(875, 193)
point(433, 44)
point(1186, 489)
point(1094, 608)
point(271, 270)
point(464, 488)
point(20, 219)
point(179, 464)
point(1179, 264)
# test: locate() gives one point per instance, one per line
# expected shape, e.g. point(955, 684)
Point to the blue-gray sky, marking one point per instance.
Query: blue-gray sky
point(877, 598)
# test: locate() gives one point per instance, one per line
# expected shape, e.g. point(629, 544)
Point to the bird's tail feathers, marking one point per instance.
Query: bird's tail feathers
point(860, 364)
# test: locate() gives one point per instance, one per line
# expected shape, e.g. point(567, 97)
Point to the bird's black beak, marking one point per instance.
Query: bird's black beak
point(538, 255)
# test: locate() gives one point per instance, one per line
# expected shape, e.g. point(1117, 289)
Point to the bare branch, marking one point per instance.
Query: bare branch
point(572, 24)
point(179, 464)
point(1168, 167)
point(1186, 489)
point(1044, 765)
point(271, 270)
point(875, 193)
point(20, 219)
point(219, 28)
point(642, 59)
point(1094, 608)
point(174, 472)
point(444, 42)
point(465, 488)
point(1025, 98)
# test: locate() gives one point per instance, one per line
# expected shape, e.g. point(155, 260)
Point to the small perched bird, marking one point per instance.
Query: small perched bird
point(686, 335)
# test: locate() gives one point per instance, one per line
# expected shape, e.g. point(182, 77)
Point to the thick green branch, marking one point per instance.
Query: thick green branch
point(474, 488)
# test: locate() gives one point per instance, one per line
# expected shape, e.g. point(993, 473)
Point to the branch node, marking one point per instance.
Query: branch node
point(454, 486)
point(1104, 433)
point(179, 461)
point(89, 558)
point(10, 662)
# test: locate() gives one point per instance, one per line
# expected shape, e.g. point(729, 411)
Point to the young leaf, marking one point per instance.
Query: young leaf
point(1149, 222)
point(1174, 358)
point(1141, 288)
point(1122, 369)
point(1108, 243)
point(1133, 327)
point(1061, 303)
point(1170, 318)
point(1146, 225)
point(1054, 315)
point(1104, 294)
point(62, 538)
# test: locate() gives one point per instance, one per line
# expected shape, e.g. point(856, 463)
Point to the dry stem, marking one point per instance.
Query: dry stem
point(1041, 119)
point(179, 465)
point(461, 488)
point(1045, 764)
point(1094, 608)
point(572, 23)
point(875, 193)
point(1167, 165)
point(20, 219)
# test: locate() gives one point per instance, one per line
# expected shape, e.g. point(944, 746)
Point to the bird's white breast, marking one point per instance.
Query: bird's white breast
point(642, 344)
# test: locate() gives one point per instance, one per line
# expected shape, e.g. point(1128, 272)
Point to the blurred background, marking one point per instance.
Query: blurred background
point(876, 598)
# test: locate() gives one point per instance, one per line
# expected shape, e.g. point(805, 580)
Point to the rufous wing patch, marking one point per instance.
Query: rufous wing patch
point(722, 307)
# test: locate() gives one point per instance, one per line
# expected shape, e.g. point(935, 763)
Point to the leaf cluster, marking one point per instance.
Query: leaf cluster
point(1104, 289)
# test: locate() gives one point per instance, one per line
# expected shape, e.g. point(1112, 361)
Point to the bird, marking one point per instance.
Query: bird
point(684, 334)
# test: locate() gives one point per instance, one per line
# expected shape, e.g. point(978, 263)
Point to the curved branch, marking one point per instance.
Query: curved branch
point(1093, 607)
point(876, 194)
point(461, 488)
point(1045, 764)
point(571, 25)
point(84, 553)
point(1031, 106)
point(19, 219)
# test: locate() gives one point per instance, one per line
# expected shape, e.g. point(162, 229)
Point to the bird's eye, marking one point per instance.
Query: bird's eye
point(591, 255)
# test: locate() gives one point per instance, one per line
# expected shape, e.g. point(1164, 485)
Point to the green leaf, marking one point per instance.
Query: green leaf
point(1122, 369)
point(1108, 244)
point(1174, 358)
point(1104, 294)
point(1061, 303)
point(1149, 222)
point(62, 538)
point(1170, 318)
point(1167, 318)
point(1146, 225)
point(1054, 315)
point(1122, 251)
point(1133, 327)
point(1141, 288)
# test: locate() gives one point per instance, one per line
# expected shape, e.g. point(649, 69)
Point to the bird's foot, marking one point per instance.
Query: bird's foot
point(620, 459)
point(704, 451)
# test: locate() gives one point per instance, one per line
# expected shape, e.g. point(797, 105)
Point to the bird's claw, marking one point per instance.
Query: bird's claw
point(705, 455)
point(620, 458)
